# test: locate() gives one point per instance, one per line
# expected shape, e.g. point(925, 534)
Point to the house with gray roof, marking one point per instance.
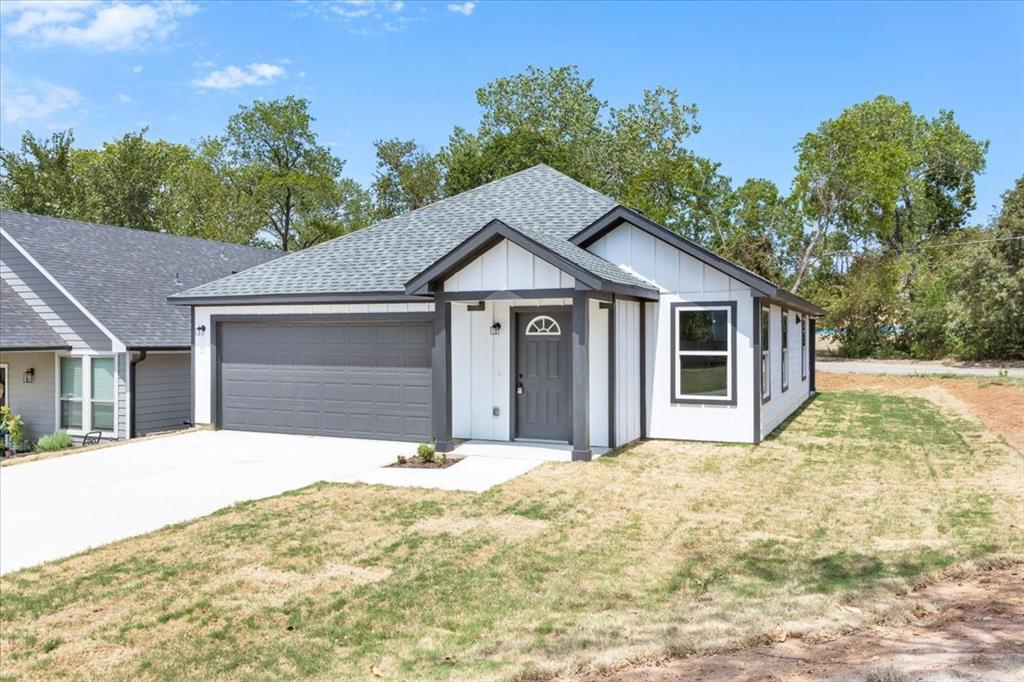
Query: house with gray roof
point(88, 339)
point(532, 308)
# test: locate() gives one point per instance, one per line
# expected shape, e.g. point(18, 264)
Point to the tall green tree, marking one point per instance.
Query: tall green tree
point(272, 159)
point(765, 226)
point(881, 175)
point(407, 177)
point(41, 177)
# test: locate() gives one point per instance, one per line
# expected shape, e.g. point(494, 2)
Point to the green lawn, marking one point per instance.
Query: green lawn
point(667, 548)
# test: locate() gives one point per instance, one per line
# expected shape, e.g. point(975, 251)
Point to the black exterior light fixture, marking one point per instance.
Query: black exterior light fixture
point(200, 330)
point(495, 328)
point(29, 376)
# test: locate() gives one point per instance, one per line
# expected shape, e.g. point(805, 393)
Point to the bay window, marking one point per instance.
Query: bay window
point(703, 352)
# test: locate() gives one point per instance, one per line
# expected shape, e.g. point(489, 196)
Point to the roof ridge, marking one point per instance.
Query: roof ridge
point(137, 230)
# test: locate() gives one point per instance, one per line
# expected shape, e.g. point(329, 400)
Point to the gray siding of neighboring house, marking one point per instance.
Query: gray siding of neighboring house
point(48, 302)
point(163, 392)
point(35, 402)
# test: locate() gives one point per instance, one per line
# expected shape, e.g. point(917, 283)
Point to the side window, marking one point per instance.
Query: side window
point(785, 350)
point(703, 353)
point(70, 393)
point(766, 342)
point(803, 347)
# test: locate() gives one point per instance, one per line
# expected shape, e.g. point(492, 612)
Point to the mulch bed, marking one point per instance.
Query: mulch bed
point(417, 463)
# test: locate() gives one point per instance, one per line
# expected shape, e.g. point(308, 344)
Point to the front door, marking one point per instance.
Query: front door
point(543, 376)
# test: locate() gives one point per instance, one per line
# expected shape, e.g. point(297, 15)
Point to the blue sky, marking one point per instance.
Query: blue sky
point(762, 74)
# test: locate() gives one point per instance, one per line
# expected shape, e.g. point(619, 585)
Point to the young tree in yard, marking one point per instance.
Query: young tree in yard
point(272, 159)
point(884, 176)
point(41, 177)
point(407, 177)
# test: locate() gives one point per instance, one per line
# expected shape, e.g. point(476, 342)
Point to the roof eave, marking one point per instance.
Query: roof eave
point(301, 298)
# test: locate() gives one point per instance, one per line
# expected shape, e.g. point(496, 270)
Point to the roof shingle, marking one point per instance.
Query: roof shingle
point(124, 276)
point(21, 327)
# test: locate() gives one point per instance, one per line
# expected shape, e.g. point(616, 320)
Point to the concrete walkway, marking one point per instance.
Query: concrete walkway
point(907, 367)
point(57, 507)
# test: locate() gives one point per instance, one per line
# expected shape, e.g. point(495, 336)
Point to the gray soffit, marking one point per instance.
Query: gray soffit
point(620, 214)
point(588, 269)
point(124, 276)
point(21, 328)
point(383, 257)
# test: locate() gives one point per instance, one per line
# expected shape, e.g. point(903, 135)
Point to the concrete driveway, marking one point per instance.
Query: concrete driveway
point(58, 507)
point(54, 508)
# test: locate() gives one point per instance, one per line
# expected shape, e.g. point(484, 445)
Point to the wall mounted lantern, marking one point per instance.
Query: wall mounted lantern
point(200, 330)
point(495, 328)
point(29, 376)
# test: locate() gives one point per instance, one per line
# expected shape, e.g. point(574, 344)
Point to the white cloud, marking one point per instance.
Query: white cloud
point(36, 102)
point(105, 26)
point(462, 7)
point(124, 99)
point(137, 68)
point(232, 77)
point(362, 17)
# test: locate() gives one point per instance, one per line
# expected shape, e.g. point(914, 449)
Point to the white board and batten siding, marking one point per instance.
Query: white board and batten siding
point(507, 266)
point(482, 366)
point(202, 358)
point(782, 404)
point(681, 279)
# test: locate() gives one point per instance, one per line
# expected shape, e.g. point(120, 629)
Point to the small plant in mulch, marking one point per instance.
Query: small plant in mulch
point(426, 457)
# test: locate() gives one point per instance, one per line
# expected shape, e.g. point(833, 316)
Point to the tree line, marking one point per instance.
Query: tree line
point(873, 227)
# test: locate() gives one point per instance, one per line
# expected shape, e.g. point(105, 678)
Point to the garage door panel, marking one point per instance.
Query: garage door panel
point(368, 378)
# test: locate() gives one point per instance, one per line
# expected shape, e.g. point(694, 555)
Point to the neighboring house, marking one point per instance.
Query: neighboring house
point(88, 341)
point(531, 308)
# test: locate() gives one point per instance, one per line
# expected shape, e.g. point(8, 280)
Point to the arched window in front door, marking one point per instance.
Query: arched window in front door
point(543, 325)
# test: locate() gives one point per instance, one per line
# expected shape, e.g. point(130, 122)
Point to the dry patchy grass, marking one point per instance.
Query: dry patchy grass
point(665, 549)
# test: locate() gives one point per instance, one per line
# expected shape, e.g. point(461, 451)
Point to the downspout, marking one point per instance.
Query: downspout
point(131, 390)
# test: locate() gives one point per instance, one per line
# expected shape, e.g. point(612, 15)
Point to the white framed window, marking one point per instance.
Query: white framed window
point(785, 350)
point(766, 360)
point(87, 393)
point(5, 384)
point(543, 325)
point(802, 321)
point(704, 352)
point(71, 394)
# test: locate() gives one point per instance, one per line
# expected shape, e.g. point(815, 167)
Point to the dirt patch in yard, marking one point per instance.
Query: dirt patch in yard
point(961, 627)
point(998, 404)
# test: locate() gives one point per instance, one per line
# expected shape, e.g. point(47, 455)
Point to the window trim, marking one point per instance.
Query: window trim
point(802, 321)
point(729, 354)
point(93, 400)
point(552, 328)
point(87, 426)
point(784, 348)
point(6, 400)
point(766, 359)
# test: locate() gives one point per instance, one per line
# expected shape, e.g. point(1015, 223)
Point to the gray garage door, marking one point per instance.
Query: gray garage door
point(368, 378)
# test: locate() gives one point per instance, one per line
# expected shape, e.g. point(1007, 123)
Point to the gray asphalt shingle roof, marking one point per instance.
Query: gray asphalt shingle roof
point(20, 326)
point(124, 276)
point(540, 202)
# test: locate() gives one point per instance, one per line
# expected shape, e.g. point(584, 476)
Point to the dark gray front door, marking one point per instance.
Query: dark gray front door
point(367, 378)
point(543, 388)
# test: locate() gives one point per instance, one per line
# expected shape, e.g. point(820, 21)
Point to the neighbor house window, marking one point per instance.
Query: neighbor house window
point(70, 393)
point(102, 394)
point(802, 321)
point(766, 335)
point(785, 350)
point(704, 339)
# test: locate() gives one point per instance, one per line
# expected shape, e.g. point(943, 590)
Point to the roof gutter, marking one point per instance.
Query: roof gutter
point(26, 349)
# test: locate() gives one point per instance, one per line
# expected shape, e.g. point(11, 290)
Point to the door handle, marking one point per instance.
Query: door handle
point(519, 389)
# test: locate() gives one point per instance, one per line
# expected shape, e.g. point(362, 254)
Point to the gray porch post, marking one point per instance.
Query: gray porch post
point(581, 376)
point(441, 376)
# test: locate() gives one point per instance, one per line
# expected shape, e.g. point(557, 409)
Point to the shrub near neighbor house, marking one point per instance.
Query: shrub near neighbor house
point(58, 440)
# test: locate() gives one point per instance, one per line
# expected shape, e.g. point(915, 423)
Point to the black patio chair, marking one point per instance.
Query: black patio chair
point(92, 438)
